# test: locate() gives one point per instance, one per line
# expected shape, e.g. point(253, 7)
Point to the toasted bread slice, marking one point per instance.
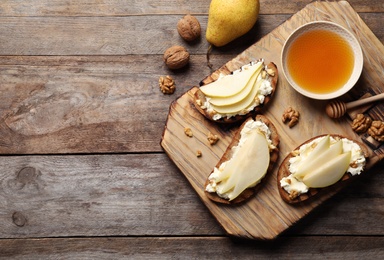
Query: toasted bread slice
point(200, 100)
point(312, 193)
point(274, 154)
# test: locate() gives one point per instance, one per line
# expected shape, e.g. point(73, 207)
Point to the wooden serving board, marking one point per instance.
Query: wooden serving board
point(265, 216)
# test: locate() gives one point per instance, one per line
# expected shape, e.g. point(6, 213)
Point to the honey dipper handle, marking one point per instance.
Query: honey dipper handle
point(364, 101)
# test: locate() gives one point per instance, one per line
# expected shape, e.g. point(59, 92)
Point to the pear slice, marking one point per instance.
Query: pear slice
point(249, 166)
point(328, 173)
point(231, 84)
point(321, 147)
point(240, 106)
point(234, 164)
point(323, 157)
point(226, 101)
point(229, 169)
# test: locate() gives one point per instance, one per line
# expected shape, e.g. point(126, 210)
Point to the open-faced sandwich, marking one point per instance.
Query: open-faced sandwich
point(248, 158)
point(238, 95)
point(319, 164)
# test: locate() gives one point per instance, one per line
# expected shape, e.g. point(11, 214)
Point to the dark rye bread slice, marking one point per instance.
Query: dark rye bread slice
point(199, 100)
point(312, 192)
point(274, 155)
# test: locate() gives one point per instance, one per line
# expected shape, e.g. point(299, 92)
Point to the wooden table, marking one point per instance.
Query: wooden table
point(82, 172)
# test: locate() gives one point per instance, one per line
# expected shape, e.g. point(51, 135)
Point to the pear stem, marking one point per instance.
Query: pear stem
point(209, 64)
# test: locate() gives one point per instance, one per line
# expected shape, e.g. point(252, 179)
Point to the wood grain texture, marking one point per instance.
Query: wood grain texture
point(124, 8)
point(185, 248)
point(119, 35)
point(85, 104)
point(266, 216)
point(119, 195)
point(100, 195)
point(110, 35)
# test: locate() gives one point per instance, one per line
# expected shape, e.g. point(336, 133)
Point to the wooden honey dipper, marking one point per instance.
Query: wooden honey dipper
point(336, 109)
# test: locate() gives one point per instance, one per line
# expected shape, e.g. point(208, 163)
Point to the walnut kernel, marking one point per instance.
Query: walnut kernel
point(176, 57)
point(263, 74)
point(353, 165)
point(212, 138)
point(188, 131)
point(294, 194)
point(377, 130)
point(189, 28)
point(271, 72)
point(361, 123)
point(291, 115)
point(167, 85)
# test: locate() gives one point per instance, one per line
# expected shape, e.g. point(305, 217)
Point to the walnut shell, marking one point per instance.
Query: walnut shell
point(176, 57)
point(189, 28)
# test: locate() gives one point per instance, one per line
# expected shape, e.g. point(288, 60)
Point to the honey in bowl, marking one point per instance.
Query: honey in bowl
point(320, 61)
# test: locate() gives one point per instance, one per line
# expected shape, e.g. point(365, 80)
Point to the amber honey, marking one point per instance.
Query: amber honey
point(320, 61)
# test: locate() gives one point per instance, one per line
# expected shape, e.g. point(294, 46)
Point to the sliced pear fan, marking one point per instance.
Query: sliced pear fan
point(226, 101)
point(248, 167)
point(323, 157)
point(244, 104)
point(328, 173)
point(231, 84)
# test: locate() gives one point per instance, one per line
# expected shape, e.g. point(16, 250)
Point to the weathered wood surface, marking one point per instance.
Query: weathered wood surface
point(147, 8)
point(134, 195)
point(70, 72)
point(193, 248)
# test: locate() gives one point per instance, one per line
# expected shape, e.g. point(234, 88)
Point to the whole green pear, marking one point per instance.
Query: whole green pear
point(230, 19)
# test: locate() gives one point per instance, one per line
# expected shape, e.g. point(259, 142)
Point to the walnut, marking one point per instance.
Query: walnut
point(257, 101)
point(361, 123)
point(200, 104)
point(176, 57)
point(377, 130)
point(271, 72)
point(212, 138)
point(188, 131)
point(291, 115)
point(167, 85)
point(353, 165)
point(294, 194)
point(189, 28)
point(263, 74)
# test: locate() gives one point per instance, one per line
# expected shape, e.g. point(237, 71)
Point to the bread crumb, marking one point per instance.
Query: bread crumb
point(199, 153)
